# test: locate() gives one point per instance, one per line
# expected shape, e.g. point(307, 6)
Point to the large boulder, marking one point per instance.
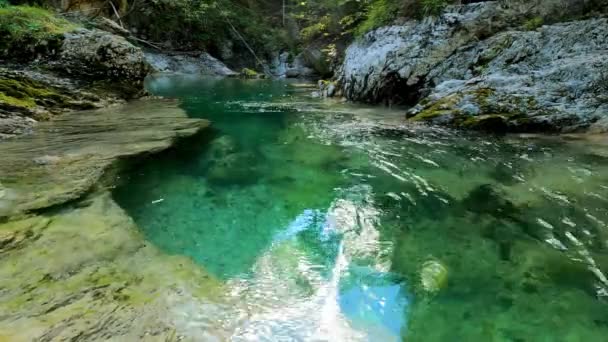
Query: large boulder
point(390, 63)
point(552, 79)
point(101, 55)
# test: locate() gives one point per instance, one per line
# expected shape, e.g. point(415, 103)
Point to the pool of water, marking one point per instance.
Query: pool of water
point(324, 221)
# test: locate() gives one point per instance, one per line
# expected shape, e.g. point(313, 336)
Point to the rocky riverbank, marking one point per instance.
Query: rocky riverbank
point(54, 206)
point(473, 67)
point(52, 66)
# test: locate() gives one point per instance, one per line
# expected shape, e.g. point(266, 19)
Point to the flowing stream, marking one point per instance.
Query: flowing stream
point(321, 218)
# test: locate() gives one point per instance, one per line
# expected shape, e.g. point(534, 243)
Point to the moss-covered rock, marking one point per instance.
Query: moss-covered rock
point(249, 73)
point(486, 109)
point(28, 96)
point(27, 32)
point(89, 264)
point(20, 91)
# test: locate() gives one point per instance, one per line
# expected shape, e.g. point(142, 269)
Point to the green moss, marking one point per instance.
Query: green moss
point(249, 73)
point(25, 29)
point(443, 106)
point(12, 101)
point(26, 93)
point(533, 23)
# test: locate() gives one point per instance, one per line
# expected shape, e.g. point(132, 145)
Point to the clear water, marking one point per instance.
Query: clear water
point(320, 216)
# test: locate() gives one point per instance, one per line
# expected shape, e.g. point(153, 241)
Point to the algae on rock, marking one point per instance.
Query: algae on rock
point(103, 281)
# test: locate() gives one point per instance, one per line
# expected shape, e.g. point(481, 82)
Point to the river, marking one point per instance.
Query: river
point(321, 219)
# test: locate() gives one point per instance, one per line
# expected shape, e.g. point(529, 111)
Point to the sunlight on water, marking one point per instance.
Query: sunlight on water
point(321, 219)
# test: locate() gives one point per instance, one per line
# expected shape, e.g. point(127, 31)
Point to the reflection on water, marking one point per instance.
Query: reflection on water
point(320, 218)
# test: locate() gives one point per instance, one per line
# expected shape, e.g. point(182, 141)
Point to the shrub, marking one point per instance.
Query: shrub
point(310, 32)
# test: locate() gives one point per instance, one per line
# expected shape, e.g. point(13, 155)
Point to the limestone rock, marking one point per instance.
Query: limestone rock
point(28, 96)
point(390, 62)
point(66, 157)
point(551, 79)
point(88, 273)
point(193, 63)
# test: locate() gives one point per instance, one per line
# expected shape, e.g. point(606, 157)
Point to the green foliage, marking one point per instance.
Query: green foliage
point(316, 30)
point(379, 13)
point(208, 24)
point(383, 12)
point(23, 27)
point(433, 7)
point(3, 3)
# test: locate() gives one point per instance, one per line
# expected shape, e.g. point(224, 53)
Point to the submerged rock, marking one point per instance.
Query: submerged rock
point(485, 199)
point(433, 276)
point(234, 168)
point(65, 158)
point(88, 273)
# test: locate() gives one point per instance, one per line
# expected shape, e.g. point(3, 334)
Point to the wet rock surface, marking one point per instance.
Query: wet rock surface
point(66, 157)
point(104, 282)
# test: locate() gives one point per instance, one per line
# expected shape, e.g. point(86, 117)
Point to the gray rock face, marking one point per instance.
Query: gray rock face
point(101, 55)
point(197, 63)
point(470, 71)
point(282, 68)
point(555, 78)
point(388, 62)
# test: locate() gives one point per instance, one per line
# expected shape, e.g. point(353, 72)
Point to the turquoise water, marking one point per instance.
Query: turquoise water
point(321, 219)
